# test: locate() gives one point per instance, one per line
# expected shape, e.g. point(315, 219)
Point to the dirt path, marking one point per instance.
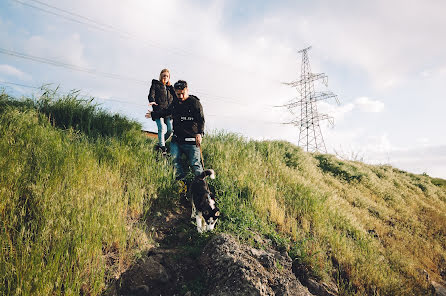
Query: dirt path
point(186, 263)
point(171, 267)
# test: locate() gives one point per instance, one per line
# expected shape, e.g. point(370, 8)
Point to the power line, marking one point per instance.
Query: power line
point(18, 84)
point(98, 26)
point(69, 66)
point(103, 74)
point(101, 26)
point(92, 96)
point(121, 100)
point(112, 29)
point(125, 101)
point(57, 14)
point(251, 119)
point(72, 13)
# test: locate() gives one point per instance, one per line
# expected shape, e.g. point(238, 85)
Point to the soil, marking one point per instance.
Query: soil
point(172, 266)
point(187, 263)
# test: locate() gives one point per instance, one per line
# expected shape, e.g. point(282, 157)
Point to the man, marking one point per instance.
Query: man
point(188, 128)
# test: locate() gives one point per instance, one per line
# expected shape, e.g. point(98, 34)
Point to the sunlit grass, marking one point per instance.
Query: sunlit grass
point(373, 228)
point(71, 204)
point(76, 184)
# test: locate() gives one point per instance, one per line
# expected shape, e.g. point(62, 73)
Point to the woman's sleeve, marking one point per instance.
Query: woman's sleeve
point(151, 96)
point(164, 112)
point(172, 92)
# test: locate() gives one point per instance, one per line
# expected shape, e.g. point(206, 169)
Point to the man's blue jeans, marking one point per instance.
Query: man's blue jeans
point(192, 153)
point(163, 134)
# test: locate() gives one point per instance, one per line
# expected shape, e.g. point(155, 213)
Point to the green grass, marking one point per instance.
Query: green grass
point(71, 201)
point(372, 228)
point(76, 185)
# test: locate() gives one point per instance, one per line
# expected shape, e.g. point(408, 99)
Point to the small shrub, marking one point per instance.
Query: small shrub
point(339, 169)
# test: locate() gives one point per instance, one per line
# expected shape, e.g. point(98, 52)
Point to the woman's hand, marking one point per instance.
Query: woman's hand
point(149, 113)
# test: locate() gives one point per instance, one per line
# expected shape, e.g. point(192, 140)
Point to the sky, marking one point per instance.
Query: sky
point(385, 60)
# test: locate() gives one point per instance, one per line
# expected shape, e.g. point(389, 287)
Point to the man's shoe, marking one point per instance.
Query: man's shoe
point(163, 150)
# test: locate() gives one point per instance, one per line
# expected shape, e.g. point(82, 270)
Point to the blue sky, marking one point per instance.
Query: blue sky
point(384, 59)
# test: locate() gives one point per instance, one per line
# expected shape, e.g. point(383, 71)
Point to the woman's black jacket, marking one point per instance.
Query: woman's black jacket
point(162, 95)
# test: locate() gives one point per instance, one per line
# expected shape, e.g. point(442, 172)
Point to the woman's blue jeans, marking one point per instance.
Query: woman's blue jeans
point(163, 133)
point(193, 156)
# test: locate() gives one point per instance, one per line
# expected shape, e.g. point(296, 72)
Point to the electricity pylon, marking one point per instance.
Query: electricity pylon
point(310, 135)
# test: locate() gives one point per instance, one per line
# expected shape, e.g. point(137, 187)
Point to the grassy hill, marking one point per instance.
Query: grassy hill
point(76, 184)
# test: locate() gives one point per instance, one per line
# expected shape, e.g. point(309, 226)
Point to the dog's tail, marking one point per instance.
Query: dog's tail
point(206, 173)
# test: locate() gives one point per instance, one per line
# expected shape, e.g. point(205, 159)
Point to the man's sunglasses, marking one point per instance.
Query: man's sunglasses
point(180, 85)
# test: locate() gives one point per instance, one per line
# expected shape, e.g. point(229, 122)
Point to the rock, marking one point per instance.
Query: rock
point(144, 276)
point(234, 269)
point(141, 290)
point(439, 289)
point(317, 288)
point(321, 289)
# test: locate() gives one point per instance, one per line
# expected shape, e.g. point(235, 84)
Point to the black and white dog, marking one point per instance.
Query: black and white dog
point(203, 202)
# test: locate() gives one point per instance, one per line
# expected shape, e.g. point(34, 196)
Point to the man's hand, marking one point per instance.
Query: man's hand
point(153, 104)
point(198, 140)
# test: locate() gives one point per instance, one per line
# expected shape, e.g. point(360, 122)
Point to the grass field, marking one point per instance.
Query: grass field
point(76, 184)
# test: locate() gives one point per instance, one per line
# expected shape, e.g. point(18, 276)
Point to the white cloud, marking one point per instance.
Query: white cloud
point(358, 139)
point(423, 141)
point(354, 144)
point(380, 143)
point(425, 73)
point(429, 159)
point(13, 72)
point(340, 112)
point(69, 49)
point(436, 72)
point(389, 41)
point(337, 112)
point(365, 104)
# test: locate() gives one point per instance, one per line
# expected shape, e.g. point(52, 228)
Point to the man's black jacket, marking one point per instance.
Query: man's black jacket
point(188, 118)
point(162, 95)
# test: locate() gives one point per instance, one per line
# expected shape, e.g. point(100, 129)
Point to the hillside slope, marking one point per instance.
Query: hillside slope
point(77, 186)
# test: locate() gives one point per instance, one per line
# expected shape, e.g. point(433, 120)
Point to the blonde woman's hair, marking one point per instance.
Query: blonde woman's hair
point(162, 71)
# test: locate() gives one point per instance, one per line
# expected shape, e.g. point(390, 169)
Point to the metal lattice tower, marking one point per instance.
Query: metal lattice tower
point(310, 135)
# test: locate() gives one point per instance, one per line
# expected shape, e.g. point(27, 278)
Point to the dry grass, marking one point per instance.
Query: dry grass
point(374, 228)
point(71, 205)
point(73, 201)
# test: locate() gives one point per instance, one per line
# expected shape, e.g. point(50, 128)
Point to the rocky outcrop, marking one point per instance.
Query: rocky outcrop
point(234, 269)
point(438, 289)
point(187, 263)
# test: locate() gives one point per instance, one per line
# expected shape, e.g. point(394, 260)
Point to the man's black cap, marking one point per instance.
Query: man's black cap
point(180, 84)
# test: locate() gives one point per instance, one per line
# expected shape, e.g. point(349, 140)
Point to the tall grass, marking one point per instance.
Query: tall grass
point(372, 228)
point(74, 111)
point(71, 200)
point(75, 184)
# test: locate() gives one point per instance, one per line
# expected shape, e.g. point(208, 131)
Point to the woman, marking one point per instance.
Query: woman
point(160, 97)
